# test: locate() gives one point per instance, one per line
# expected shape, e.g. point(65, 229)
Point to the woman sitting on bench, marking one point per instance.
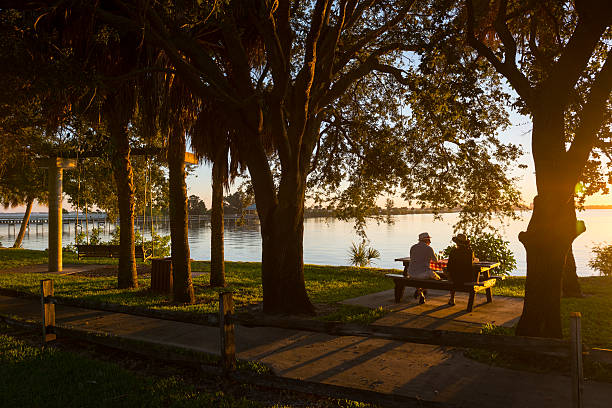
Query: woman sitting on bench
point(421, 254)
point(460, 267)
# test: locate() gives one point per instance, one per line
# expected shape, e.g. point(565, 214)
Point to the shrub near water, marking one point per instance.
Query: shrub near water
point(602, 261)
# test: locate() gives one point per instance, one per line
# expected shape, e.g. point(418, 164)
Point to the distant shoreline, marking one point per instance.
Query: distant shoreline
point(315, 213)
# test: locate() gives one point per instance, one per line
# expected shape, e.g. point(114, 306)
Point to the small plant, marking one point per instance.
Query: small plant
point(71, 248)
point(80, 238)
point(491, 247)
point(95, 238)
point(602, 261)
point(361, 255)
point(158, 246)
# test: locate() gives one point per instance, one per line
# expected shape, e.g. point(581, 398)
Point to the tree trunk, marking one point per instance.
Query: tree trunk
point(282, 231)
point(86, 225)
point(24, 224)
point(552, 229)
point(217, 261)
point(122, 171)
point(570, 285)
point(181, 266)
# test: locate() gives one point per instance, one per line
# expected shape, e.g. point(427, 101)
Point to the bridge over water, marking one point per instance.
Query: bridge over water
point(101, 220)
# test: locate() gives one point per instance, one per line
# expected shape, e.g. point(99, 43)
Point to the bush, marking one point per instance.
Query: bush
point(491, 247)
point(602, 261)
point(158, 245)
point(94, 237)
point(362, 255)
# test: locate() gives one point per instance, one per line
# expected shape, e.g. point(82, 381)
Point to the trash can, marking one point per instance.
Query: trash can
point(161, 275)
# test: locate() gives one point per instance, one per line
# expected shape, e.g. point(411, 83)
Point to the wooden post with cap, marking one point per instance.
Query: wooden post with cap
point(48, 311)
point(576, 360)
point(226, 329)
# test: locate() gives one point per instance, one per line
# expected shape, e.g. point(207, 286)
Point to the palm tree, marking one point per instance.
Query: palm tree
point(169, 109)
point(214, 140)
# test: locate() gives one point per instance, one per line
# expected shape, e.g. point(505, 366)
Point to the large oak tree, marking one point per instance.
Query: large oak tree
point(556, 56)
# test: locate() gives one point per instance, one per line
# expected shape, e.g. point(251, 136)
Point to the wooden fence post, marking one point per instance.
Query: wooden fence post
point(48, 310)
point(576, 360)
point(226, 328)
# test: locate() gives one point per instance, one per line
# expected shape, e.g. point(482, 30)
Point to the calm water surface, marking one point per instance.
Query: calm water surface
point(326, 241)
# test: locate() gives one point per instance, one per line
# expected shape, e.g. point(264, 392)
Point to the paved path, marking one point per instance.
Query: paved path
point(428, 372)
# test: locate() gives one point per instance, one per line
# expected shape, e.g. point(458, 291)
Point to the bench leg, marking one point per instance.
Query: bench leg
point(471, 301)
point(399, 292)
point(489, 295)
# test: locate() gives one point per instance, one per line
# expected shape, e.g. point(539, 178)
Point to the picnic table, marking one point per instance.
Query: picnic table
point(441, 264)
point(484, 283)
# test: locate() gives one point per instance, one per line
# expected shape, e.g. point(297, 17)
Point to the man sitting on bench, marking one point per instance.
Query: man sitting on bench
point(460, 267)
point(421, 254)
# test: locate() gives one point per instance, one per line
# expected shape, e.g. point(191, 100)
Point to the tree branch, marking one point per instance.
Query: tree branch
point(188, 73)
point(507, 68)
point(367, 38)
point(305, 78)
point(592, 117)
point(177, 42)
point(366, 67)
point(576, 54)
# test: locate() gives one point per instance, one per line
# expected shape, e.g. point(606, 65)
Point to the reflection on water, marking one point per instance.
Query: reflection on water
point(326, 241)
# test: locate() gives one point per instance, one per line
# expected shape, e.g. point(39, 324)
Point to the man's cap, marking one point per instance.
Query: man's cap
point(423, 236)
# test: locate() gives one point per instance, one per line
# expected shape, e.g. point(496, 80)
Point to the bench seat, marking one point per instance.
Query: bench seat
point(401, 282)
point(104, 251)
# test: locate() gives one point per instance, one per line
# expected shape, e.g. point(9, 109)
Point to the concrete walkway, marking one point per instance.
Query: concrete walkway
point(428, 372)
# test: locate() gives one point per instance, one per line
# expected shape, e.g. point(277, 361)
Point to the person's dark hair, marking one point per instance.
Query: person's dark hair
point(461, 240)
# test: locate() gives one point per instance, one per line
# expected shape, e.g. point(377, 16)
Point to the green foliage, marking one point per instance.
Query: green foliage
point(490, 328)
point(92, 183)
point(491, 247)
point(158, 245)
point(196, 206)
point(237, 203)
point(94, 236)
point(361, 255)
point(602, 261)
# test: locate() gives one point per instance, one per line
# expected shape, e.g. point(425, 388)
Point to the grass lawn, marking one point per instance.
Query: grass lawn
point(595, 307)
point(325, 285)
point(31, 376)
point(10, 258)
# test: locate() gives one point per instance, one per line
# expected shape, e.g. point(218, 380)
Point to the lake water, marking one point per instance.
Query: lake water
point(326, 241)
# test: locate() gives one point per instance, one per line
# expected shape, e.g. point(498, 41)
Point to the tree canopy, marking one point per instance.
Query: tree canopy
point(375, 95)
point(556, 56)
